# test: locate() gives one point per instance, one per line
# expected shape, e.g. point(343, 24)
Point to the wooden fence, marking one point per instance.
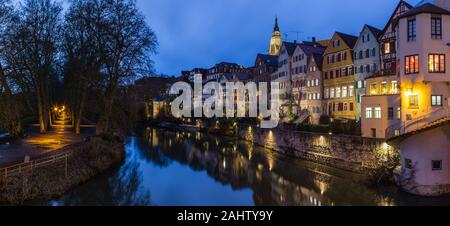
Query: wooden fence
point(27, 166)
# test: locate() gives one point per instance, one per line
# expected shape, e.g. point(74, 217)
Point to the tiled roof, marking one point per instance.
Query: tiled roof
point(318, 58)
point(311, 49)
point(269, 59)
point(375, 31)
point(350, 40)
point(425, 8)
point(290, 47)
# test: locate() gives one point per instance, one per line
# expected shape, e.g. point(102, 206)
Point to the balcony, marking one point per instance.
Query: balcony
point(385, 72)
point(389, 57)
point(389, 37)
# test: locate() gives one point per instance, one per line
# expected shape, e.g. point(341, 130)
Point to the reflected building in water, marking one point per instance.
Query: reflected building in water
point(274, 180)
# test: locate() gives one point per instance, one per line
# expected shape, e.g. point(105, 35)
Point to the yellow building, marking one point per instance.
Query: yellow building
point(338, 76)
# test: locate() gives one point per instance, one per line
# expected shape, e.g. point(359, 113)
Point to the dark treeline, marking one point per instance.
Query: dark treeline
point(81, 57)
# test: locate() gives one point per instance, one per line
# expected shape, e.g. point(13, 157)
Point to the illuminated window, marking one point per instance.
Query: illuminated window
point(369, 113)
point(344, 92)
point(373, 89)
point(338, 92)
point(436, 63)
point(332, 93)
point(413, 101)
point(387, 48)
point(412, 64)
point(351, 90)
point(384, 87)
point(327, 93)
point(394, 87)
point(378, 112)
point(436, 100)
point(399, 113)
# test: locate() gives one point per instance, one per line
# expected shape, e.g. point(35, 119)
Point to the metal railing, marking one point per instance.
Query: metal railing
point(27, 166)
point(417, 123)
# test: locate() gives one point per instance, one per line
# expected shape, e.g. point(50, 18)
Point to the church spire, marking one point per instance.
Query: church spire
point(276, 40)
point(276, 28)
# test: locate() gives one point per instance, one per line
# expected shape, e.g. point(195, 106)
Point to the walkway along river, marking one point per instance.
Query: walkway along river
point(180, 168)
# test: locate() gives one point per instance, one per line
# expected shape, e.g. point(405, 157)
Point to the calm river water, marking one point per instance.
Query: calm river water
point(175, 168)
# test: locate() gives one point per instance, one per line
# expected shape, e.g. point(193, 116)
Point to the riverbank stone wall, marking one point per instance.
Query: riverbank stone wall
point(351, 153)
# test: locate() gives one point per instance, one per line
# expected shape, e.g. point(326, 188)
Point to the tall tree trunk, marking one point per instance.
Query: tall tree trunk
point(11, 109)
point(42, 125)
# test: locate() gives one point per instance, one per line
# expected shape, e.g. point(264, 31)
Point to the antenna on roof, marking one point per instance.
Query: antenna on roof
point(295, 32)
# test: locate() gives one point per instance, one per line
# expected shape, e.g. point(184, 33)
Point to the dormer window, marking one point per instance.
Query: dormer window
point(336, 43)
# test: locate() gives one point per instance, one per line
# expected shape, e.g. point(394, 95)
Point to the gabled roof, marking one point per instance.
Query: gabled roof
point(309, 49)
point(290, 47)
point(269, 59)
point(375, 31)
point(349, 40)
point(318, 58)
point(425, 8)
point(394, 14)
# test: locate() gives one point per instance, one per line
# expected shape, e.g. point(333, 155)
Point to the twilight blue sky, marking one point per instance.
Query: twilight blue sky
point(200, 33)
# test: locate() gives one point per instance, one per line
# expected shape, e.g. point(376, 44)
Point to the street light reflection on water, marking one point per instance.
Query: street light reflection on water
point(193, 170)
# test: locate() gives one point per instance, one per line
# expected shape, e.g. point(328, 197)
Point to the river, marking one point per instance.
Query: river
point(167, 168)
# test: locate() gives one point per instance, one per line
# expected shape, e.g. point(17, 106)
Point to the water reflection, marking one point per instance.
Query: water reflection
point(273, 179)
point(180, 168)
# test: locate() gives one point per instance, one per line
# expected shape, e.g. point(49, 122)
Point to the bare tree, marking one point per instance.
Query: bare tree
point(10, 119)
point(126, 43)
point(32, 41)
point(81, 53)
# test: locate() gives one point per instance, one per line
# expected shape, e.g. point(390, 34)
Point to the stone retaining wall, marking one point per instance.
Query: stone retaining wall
point(346, 152)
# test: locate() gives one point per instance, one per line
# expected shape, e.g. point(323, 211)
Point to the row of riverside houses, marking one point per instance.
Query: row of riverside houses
point(355, 78)
point(393, 81)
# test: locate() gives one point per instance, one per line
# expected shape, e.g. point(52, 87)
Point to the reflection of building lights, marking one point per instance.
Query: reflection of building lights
point(260, 167)
point(385, 146)
point(270, 160)
point(224, 164)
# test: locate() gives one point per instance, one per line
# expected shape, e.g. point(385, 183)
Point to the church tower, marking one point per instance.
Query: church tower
point(276, 40)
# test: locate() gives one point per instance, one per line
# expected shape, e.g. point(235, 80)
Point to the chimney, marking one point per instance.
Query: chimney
point(445, 4)
point(314, 42)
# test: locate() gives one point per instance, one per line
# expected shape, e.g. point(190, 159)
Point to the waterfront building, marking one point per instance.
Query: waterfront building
point(216, 72)
point(423, 136)
point(276, 41)
point(338, 75)
point(264, 66)
point(380, 106)
point(196, 71)
point(307, 81)
point(367, 61)
point(283, 75)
